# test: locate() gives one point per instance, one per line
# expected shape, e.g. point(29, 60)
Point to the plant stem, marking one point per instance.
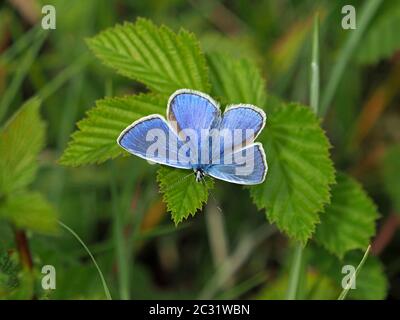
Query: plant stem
point(118, 226)
point(233, 263)
point(345, 291)
point(294, 277)
point(25, 255)
point(23, 249)
point(367, 12)
point(297, 263)
point(216, 234)
point(119, 241)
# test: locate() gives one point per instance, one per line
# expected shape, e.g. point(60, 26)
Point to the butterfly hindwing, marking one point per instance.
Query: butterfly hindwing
point(243, 119)
point(248, 166)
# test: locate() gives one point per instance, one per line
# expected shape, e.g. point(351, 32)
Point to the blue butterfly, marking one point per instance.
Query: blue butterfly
point(195, 136)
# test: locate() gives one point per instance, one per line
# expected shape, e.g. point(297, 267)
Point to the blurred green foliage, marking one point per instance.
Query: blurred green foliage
point(117, 209)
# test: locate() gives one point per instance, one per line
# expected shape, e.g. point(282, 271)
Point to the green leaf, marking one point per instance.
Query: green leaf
point(21, 140)
point(353, 276)
point(382, 39)
point(95, 141)
point(236, 81)
point(182, 194)
point(317, 287)
point(391, 175)
point(297, 150)
point(156, 56)
point(371, 282)
point(349, 220)
point(16, 283)
point(29, 210)
point(300, 170)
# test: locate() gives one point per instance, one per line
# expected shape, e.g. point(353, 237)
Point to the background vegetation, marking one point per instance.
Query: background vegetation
point(258, 53)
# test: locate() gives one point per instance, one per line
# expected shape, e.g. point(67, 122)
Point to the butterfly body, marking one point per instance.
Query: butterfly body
point(196, 136)
point(199, 174)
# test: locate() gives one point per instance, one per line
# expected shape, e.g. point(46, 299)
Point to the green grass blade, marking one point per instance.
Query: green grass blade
point(106, 290)
point(314, 87)
point(345, 291)
point(19, 76)
point(63, 77)
point(243, 287)
point(367, 13)
point(21, 44)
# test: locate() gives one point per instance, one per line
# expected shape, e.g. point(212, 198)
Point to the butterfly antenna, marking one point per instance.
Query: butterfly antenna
point(212, 196)
point(180, 180)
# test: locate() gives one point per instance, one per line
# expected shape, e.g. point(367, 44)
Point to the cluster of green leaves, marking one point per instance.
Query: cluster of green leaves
point(21, 140)
point(296, 194)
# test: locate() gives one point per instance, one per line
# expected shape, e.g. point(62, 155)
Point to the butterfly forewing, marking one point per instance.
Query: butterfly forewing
point(197, 137)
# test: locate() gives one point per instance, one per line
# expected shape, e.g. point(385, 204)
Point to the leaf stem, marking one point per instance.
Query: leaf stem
point(294, 277)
